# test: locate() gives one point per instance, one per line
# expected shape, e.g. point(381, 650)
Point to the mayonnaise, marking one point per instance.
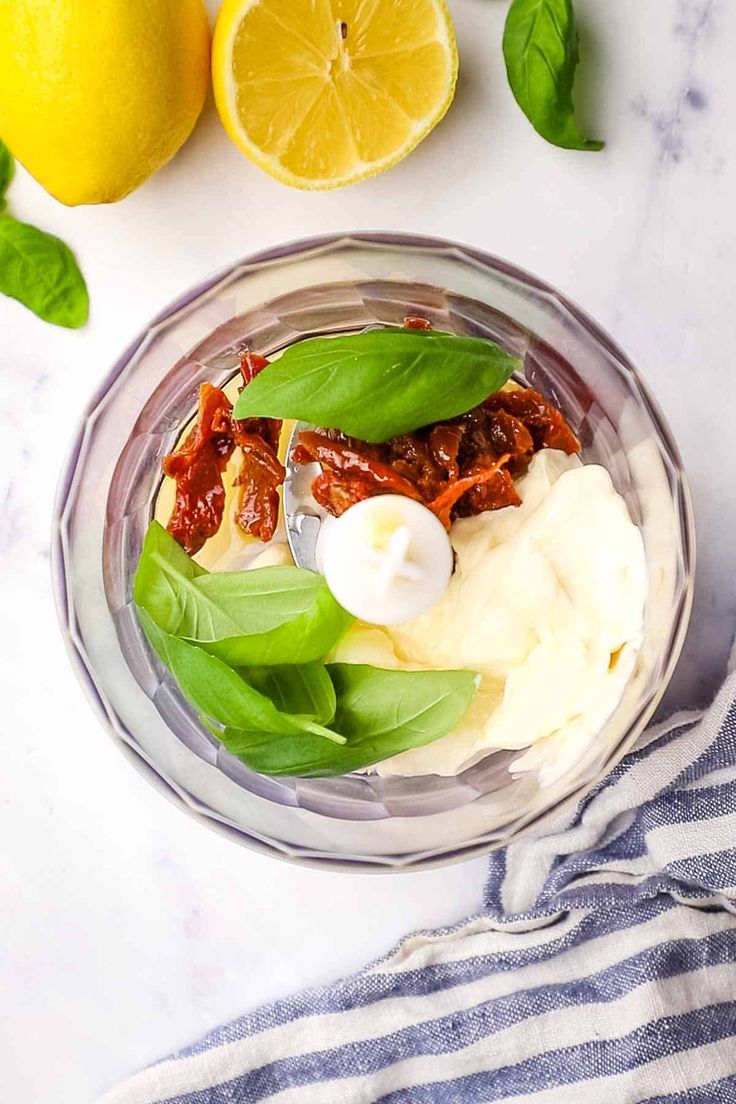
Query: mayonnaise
point(546, 604)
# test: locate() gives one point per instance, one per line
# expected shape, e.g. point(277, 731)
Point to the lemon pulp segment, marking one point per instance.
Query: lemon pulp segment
point(322, 93)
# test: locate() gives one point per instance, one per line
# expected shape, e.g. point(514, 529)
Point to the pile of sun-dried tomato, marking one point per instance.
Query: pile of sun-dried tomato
point(457, 468)
point(198, 464)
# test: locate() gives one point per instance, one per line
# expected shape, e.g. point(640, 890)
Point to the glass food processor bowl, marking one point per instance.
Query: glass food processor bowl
point(109, 486)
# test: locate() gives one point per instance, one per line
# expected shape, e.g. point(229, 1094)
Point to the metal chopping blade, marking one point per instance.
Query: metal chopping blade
point(303, 516)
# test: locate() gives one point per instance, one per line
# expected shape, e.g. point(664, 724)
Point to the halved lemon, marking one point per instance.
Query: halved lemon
point(322, 93)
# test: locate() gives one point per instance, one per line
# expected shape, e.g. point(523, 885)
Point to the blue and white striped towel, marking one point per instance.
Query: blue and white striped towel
point(603, 968)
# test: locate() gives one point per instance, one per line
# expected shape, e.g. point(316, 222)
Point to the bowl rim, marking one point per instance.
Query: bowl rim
point(179, 796)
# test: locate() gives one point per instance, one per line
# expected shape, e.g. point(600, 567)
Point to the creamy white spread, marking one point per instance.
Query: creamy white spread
point(546, 604)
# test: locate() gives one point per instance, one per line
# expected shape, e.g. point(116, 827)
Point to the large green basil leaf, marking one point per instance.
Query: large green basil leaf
point(256, 601)
point(380, 712)
point(299, 688)
point(376, 707)
point(540, 46)
point(40, 271)
point(300, 755)
point(220, 693)
point(269, 615)
point(307, 638)
point(380, 383)
point(163, 580)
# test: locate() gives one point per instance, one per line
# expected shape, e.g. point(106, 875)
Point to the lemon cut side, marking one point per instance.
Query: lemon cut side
point(323, 93)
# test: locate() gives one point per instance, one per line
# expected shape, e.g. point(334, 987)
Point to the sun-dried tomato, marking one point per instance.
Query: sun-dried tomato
point(544, 421)
point(443, 505)
point(338, 492)
point(367, 451)
point(197, 468)
point(413, 457)
point(445, 441)
point(261, 472)
point(260, 476)
point(198, 464)
point(495, 432)
point(250, 366)
point(490, 492)
point(458, 468)
point(269, 429)
point(343, 458)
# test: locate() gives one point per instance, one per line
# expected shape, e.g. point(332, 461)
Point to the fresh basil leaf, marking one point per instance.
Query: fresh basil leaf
point(7, 167)
point(221, 694)
point(163, 579)
point(540, 46)
point(40, 271)
point(376, 707)
point(253, 602)
point(186, 600)
point(301, 755)
point(266, 616)
point(380, 712)
point(307, 638)
point(296, 688)
point(380, 383)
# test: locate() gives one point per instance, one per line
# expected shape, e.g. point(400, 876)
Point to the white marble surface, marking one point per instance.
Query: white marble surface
point(126, 930)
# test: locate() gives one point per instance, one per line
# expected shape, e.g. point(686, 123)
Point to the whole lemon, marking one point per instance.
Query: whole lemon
point(95, 97)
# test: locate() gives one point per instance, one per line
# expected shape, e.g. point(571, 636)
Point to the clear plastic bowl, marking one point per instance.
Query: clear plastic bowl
point(110, 481)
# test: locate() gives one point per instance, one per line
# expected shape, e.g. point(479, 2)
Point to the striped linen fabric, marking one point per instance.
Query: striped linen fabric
point(602, 968)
